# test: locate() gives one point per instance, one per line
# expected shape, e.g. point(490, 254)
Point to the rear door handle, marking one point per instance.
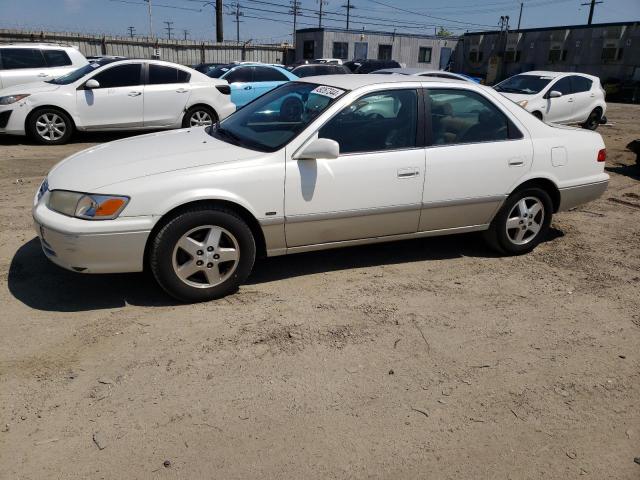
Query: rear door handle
point(248, 87)
point(182, 90)
point(408, 172)
point(516, 162)
point(43, 75)
point(134, 94)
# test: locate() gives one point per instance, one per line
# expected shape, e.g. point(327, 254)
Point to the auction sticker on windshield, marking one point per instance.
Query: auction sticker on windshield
point(330, 92)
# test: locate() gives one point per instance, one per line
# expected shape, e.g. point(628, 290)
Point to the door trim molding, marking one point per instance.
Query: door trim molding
point(362, 212)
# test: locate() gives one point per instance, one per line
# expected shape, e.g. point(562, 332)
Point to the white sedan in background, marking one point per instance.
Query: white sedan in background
point(558, 97)
point(349, 167)
point(114, 95)
point(423, 72)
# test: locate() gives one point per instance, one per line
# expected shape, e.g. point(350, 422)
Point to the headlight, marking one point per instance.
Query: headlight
point(8, 100)
point(89, 206)
point(523, 103)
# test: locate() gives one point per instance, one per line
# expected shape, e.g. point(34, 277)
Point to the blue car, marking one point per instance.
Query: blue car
point(250, 80)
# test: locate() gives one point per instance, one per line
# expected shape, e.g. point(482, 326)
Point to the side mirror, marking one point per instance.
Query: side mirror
point(319, 148)
point(555, 94)
point(91, 84)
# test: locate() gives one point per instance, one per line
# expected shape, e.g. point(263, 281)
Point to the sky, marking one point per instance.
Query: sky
point(268, 21)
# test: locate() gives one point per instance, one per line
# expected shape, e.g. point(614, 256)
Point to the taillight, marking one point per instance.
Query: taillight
point(224, 89)
point(602, 155)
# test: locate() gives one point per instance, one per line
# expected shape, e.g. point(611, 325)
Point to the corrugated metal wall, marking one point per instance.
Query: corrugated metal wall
point(185, 52)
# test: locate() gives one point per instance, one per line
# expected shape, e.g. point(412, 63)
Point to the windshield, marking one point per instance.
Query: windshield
point(274, 119)
point(217, 72)
point(526, 84)
point(77, 74)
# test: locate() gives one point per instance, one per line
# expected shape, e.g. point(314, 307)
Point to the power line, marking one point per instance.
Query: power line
point(168, 28)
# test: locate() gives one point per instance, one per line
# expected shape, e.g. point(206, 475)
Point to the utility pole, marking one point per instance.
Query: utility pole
point(168, 28)
point(132, 31)
point(219, 22)
point(520, 17)
point(348, 6)
point(237, 14)
point(295, 11)
point(186, 33)
point(322, 3)
point(592, 5)
point(150, 19)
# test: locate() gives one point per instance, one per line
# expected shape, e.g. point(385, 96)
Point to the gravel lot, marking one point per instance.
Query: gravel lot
point(423, 359)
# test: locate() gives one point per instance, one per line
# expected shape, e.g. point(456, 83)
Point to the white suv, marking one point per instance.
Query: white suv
point(558, 97)
point(32, 62)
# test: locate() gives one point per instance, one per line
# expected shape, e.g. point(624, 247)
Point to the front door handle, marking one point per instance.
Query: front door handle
point(248, 87)
point(182, 90)
point(409, 172)
point(43, 75)
point(516, 162)
point(134, 94)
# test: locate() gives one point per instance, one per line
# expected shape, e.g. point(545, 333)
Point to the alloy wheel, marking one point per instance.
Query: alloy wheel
point(200, 118)
point(525, 220)
point(51, 126)
point(206, 256)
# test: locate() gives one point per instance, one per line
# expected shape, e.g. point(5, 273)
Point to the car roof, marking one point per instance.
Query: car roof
point(545, 73)
point(353, 82)
point(407, 71)
point(37, 45)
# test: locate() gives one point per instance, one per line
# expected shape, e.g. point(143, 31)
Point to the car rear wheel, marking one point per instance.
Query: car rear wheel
point(50, 126)
point(202, 254)
point(199, 116)
point(522, 222)
point(594, 120)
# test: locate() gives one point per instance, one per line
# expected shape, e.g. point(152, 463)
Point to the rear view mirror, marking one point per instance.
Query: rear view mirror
point(555, 94)
point(319, 148)
point(92, 84)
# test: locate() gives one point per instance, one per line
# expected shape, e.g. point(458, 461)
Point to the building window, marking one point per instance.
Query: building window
point(308, 49)
point(512, 56)
point(475, 56)
point(611, 53)
point(341, 50)
point(557, 55)
point(424, 55)
point(384, 52)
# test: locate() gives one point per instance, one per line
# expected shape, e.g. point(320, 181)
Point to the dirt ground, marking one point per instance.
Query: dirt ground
point(423, 359)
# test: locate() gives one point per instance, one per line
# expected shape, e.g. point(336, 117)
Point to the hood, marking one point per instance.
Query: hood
point(142, 156)
point(31, 87)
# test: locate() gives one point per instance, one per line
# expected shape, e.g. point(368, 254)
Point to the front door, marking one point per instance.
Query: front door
point(116, 103)
point(165, 95)
point(374, 188)
point(240, 80)
point(560, 109)
point(477, 154)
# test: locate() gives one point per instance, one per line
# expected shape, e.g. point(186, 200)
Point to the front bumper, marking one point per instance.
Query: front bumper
point(106, 246)
point(13, 118)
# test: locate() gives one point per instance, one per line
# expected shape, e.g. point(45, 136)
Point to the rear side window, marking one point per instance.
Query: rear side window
point(580, 84)
point(56, 58)
point(462, 116)
point(16, 58)
point(240, 75)
point(265, 74)
point(120, 76)
point(161, 74)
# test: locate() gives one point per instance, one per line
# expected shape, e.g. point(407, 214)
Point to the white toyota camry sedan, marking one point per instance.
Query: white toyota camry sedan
point(114, 95)
point(318, 163)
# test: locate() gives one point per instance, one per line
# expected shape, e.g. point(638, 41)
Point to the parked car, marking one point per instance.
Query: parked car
point(558, 97)
point(249, 81)
point(311, 70)
point(205, 67)
point(368, 66)
point(332, 61)
point(421, 72)
point(32, 62)
point(99, 58)
point(197, 206)
point(114, 95)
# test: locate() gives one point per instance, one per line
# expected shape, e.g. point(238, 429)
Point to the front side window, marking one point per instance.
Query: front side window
point(524, 84)
point(56, 58)
point(127, 75)
point(266, 74)
point(384, 52)
point(239, 75)
point(424, 55)
point(274, 119)
point(17, 58)
point(463, 116)
point(341, 50)
point(161, 74)
point(375, 122)
point(580, 84)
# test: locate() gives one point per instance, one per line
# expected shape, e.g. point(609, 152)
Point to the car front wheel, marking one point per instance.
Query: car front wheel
point(202, 254)
point(50, 126)
point(522, 222)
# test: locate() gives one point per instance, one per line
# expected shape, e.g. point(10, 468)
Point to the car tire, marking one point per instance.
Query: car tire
point(522, 222)
point(199, 116)
point(202, 254)
point(593, 120)
point(50, 126)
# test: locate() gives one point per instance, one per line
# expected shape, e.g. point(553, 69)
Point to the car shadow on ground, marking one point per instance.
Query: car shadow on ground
point(77, 137)
point(631, 171)
point(39, 284)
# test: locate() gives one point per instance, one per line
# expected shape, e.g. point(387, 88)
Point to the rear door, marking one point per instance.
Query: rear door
point(560, 109)
point(585, 97)
point(22, 65)
point(240, 80)
point(266, 79)
point(117, 103)
point(58, 62)
point(475, 156)
point(166, 94)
